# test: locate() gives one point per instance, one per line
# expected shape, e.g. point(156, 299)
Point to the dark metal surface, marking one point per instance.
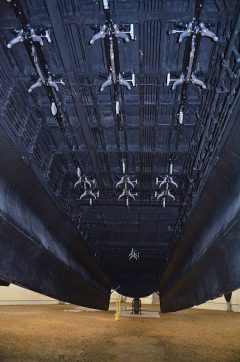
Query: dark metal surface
point(40, 249)
point(4, 284)
point(206, 263)
point(148, 135)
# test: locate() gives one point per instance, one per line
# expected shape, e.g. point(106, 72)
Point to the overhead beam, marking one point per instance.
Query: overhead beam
point(59, 32)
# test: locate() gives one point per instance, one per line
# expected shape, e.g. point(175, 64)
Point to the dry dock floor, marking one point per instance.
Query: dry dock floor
point(48, 333)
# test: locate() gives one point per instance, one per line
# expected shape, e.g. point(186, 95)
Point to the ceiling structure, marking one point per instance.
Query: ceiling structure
point(125, 90)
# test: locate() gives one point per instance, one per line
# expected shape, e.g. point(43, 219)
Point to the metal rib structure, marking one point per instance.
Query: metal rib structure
point(142, 95)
